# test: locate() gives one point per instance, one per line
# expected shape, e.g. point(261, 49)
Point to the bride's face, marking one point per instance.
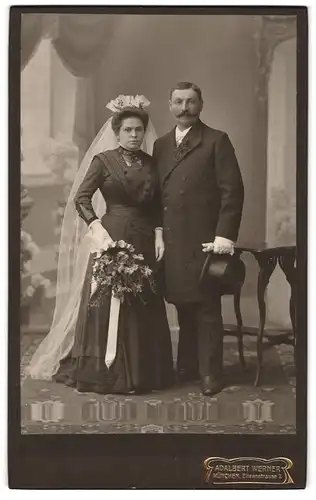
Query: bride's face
point(131, 133)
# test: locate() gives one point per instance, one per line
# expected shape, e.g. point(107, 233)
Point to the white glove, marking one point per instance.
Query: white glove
point(220, 246)
point(159, 244)
point(100, 236)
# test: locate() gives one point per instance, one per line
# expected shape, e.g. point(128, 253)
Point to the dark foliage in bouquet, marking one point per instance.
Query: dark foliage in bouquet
point(120, 270)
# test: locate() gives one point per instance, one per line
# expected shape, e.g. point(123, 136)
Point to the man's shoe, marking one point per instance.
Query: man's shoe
point(211, 386)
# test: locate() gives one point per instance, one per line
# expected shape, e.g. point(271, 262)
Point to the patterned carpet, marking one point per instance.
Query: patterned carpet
point(240, 408)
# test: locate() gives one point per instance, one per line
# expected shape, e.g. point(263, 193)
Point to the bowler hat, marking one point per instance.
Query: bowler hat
point(225, 272)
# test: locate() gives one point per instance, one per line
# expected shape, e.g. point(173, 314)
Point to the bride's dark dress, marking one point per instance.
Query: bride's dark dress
point(144, 353)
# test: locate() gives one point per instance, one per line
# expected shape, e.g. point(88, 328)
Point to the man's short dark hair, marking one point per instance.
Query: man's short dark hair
point(187, 85)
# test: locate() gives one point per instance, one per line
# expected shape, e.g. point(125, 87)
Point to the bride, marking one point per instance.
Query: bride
point(110, 348)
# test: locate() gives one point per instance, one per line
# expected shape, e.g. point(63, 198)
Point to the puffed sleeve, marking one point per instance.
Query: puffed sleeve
point(91, 182)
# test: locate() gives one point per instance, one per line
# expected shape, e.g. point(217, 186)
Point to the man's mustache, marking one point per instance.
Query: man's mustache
point(186, 113)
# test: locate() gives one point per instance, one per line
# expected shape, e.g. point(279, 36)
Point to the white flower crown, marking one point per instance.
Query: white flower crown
point(127, 101)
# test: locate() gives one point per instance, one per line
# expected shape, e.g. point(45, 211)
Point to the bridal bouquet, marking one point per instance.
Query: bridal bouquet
point(119, 271)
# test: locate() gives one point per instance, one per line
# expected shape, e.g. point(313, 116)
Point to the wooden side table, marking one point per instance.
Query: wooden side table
point(267, 258)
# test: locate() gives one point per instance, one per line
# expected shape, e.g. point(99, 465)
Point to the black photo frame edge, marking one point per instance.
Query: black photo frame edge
point(146, 461)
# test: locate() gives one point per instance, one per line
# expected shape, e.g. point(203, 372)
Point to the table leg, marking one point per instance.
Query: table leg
point(267, 265)
point(239, 328)
point(287, 264)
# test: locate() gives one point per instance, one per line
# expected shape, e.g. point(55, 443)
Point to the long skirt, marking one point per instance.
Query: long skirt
point(143, 359)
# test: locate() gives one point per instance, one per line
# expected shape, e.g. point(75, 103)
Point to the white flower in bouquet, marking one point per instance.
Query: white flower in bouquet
point(130, 247)
point(125, 277)
point(147, 271)
point(120, 268)
point(138, 256)
point(94, 286)
point(131, 269)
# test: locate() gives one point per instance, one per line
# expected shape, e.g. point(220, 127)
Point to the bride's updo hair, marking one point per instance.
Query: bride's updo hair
point(131, 112)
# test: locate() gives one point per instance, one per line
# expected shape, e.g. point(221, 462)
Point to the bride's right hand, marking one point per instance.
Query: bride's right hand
point(100, 236)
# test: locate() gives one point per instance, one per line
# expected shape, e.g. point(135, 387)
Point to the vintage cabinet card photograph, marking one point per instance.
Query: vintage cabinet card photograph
point(158, 259)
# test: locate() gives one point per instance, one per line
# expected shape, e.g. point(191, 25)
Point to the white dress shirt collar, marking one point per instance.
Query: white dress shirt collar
point(180, 134)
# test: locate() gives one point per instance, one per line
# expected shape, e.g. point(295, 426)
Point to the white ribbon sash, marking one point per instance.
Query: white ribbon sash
point(111, 345)
point(112, 331)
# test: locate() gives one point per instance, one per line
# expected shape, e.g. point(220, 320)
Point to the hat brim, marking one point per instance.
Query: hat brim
point(227, 272)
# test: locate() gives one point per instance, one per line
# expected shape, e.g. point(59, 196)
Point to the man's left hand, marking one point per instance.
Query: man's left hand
point(220, 246)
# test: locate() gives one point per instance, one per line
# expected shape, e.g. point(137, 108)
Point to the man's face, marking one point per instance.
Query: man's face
point(186, 106)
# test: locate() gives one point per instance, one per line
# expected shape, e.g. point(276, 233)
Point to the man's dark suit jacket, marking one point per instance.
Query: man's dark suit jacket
point(202, 196)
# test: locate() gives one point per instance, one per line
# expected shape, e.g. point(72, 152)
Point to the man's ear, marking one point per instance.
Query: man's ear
point(170, 104)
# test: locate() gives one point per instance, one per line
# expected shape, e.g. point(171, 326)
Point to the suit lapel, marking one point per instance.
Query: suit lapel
point(177, 154)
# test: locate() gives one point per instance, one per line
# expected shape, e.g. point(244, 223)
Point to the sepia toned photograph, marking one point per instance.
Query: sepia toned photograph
point(158, 254)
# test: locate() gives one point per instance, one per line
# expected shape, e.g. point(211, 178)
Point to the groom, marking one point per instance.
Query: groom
point(202, 197)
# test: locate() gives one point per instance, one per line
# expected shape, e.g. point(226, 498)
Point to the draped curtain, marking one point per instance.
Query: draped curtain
point(81, 41)
point(31, 35)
